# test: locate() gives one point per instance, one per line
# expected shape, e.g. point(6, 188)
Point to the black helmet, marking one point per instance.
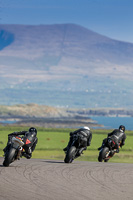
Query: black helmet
point(32, 130)
point(122, 128)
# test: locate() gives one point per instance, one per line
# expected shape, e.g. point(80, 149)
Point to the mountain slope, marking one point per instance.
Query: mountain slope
point(63, 59)
point(67, 47)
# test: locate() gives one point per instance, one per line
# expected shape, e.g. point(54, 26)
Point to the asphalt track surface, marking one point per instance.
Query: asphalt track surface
point(38, 179)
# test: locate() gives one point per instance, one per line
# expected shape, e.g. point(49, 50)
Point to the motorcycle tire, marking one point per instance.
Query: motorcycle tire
point(9, 157)
point(102, 154)
point(70, 155)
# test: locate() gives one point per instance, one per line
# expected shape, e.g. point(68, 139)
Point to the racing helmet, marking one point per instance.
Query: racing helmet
point(33, 131)
point(86, 127)
point(122, 128)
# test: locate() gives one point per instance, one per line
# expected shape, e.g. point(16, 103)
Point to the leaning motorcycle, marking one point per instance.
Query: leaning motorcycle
point(73, 150)
point(14, 151)
point(107, 151)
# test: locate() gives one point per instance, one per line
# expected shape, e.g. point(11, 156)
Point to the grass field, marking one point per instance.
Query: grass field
point(52, 141)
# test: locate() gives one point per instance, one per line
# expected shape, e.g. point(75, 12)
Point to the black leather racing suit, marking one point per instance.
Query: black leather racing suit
point(86, 136)
point(118, 136)
point(29, 146)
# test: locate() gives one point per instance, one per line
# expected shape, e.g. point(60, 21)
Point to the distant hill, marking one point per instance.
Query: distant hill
point(47, 116)
point(44, 116)
point(67, 60)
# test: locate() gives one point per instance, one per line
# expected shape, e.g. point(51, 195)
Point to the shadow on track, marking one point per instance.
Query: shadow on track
point(53, 161)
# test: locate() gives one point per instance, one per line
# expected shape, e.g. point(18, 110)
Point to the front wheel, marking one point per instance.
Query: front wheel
point(9, 157)
point(103, 154)
point(70, 155)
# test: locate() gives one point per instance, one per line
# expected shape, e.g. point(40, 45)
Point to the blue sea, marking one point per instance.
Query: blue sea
point(114, 122)
point(7, 121)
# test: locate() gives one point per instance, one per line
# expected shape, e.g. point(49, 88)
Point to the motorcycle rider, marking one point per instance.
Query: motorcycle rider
point(118, 136)
point(86, 136)
point(29, 138)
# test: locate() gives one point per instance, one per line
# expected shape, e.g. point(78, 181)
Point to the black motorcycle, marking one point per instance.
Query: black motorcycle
point(73, 151)
point(14, 151)
point(107, 151)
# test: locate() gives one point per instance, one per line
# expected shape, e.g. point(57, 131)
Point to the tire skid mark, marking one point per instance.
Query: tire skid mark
point(11, 182)
point(27, 173)
point(94, 175)
point(39, 182)
point(26, 186)
point(50, 173)
point(54, 180)
point(56, 172)
point(119, 175)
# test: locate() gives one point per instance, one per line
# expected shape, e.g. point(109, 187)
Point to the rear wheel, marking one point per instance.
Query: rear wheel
point(9, 157)
point(70, 155)
point(103, 154)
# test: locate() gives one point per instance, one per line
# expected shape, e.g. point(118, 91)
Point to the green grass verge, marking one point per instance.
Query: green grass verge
point(52, 141)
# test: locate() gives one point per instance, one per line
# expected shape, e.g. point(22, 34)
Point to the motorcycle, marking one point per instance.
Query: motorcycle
point(107, 151)
point(73, 150)
point(14, 151)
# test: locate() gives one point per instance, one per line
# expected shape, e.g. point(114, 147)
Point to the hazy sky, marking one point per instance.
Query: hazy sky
point(112, 18)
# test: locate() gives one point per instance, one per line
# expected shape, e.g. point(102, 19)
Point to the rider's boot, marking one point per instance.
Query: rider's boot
point(65, 149)
point(26, 155)
point(5, 149)
point(100, 147)
point(82, 149)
